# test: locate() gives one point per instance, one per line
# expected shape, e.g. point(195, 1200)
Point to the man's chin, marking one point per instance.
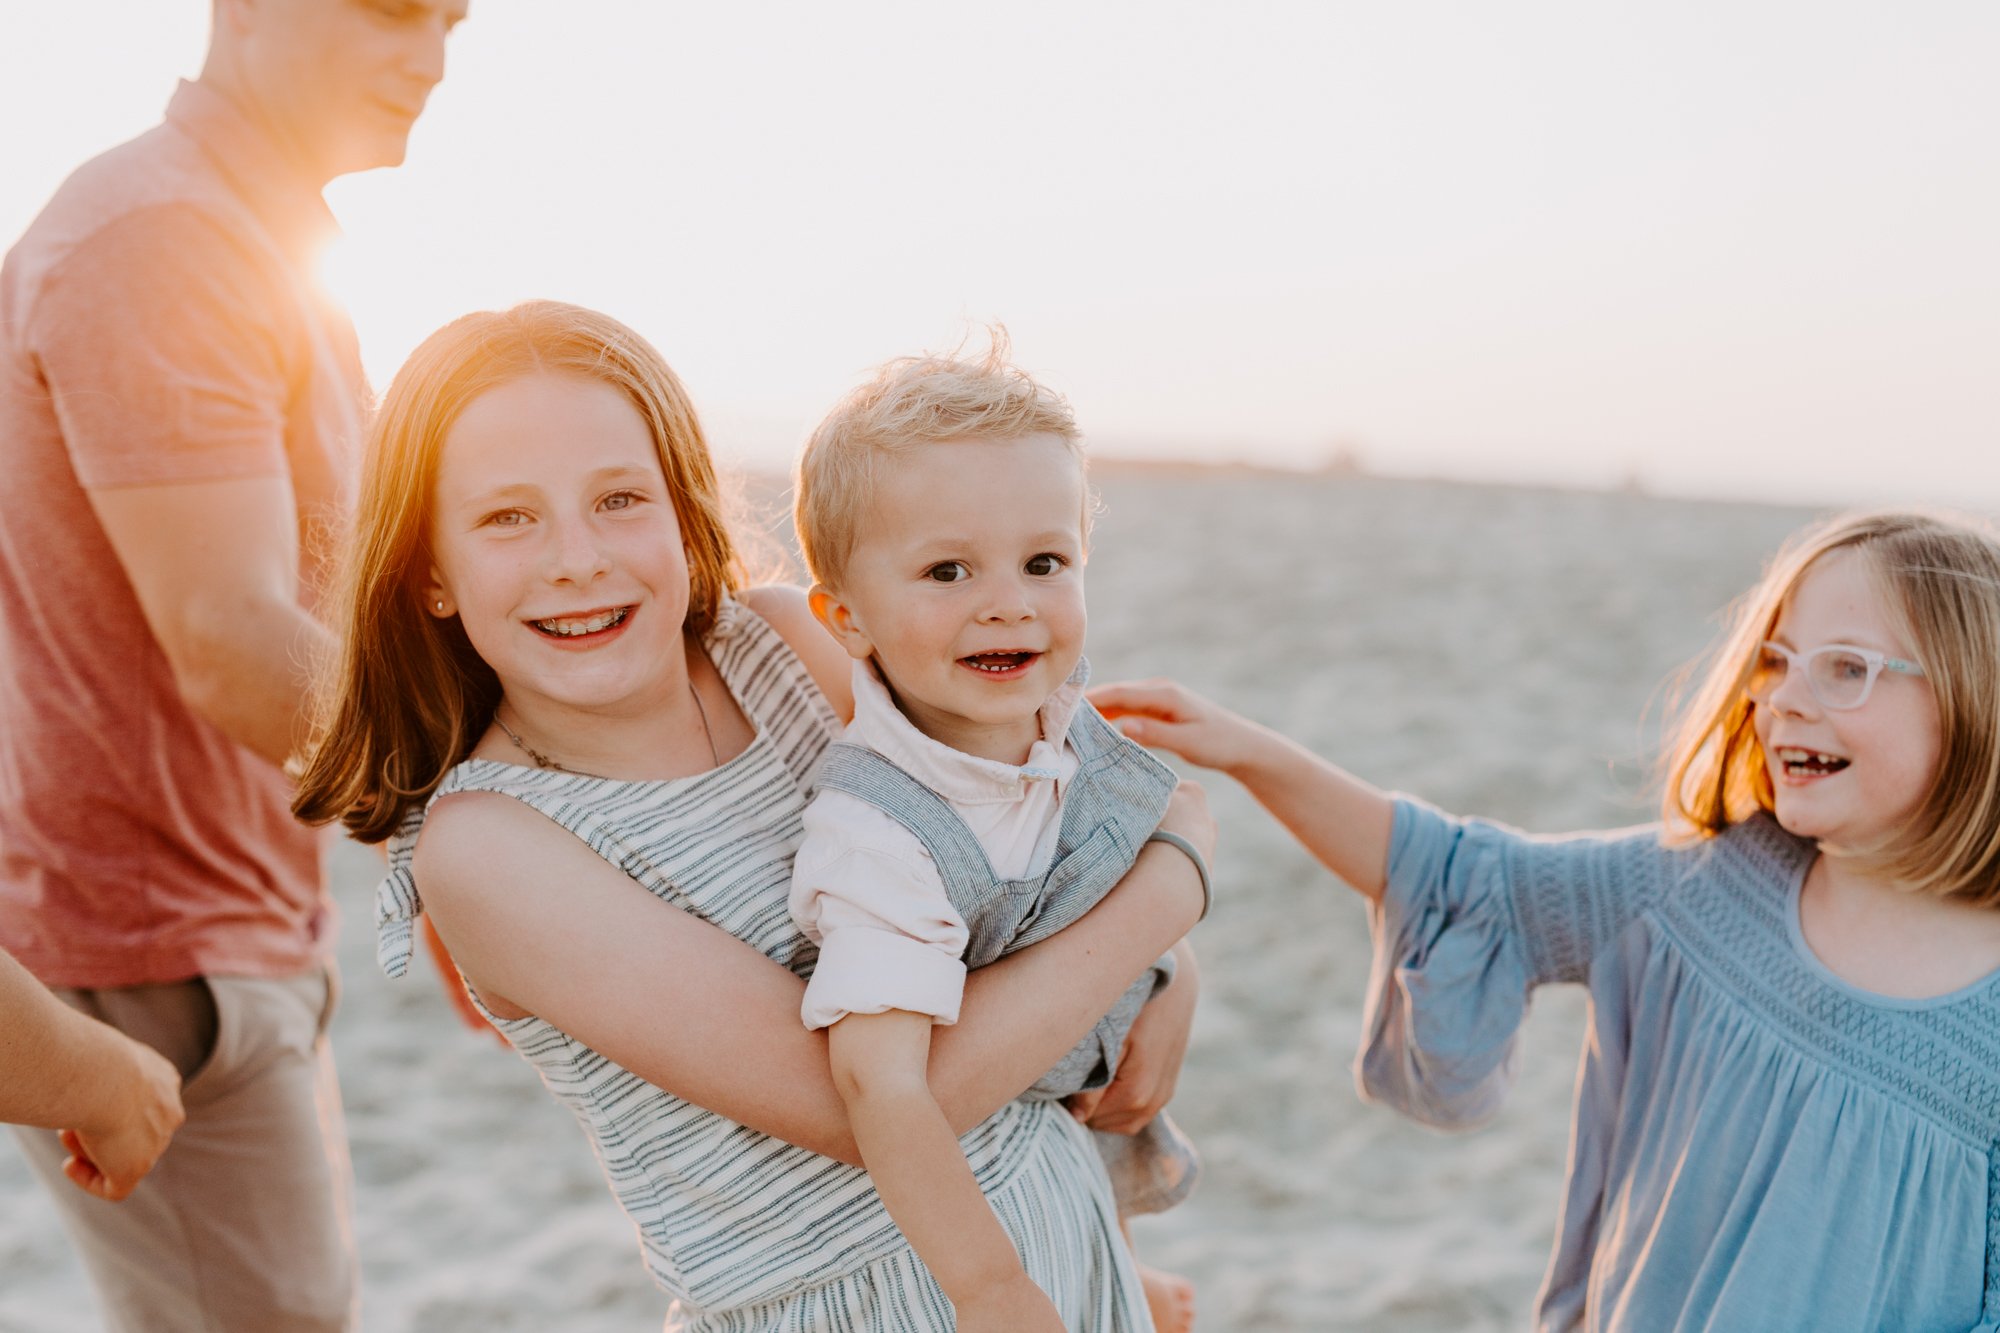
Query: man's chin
point(373, 156)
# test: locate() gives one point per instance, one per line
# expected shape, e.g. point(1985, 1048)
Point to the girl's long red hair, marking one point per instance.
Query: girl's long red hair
point(406, 697)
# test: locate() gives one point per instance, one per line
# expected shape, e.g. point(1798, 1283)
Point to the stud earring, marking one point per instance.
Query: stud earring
point(440, 608)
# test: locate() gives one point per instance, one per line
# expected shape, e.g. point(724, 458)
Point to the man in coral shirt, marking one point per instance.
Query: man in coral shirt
point(180, 408)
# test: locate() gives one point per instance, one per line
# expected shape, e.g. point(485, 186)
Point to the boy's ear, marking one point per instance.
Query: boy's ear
point(840, 622)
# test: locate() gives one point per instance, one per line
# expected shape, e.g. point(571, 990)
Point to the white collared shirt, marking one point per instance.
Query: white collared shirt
point(866, 890)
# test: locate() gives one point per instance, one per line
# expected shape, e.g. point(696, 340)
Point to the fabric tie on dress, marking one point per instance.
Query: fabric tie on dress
point(397, 903)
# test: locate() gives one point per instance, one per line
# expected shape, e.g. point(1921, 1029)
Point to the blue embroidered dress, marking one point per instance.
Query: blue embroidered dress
point(1757, 1144)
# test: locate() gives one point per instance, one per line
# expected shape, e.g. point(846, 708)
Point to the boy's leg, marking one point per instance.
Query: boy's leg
point(1169, 1296)
point(243, 1224)
point(1150, 1172)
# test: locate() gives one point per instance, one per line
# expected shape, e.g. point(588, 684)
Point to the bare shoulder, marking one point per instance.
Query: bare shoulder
point(785, 607)
point(485, 864)
point(483, 849)
point(471, 839)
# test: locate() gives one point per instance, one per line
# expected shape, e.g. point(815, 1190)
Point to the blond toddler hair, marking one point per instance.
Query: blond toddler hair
point(910, 403)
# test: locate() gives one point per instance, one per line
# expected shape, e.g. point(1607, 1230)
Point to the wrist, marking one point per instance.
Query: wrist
point(1193, 854)
point(1175, 876)
point(992, 1283)
point(1261, 758)
point(114, 1081)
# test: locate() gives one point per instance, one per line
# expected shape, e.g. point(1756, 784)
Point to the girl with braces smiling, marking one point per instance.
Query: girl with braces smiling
point(589, 746)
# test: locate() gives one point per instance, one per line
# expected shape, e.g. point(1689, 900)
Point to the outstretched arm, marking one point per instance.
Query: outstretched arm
point(606, 960)
point(1337, 817)
point(117, 1102)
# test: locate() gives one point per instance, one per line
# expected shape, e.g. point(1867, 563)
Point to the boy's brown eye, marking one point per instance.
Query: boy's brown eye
point(948, 571)
point(1045, 564)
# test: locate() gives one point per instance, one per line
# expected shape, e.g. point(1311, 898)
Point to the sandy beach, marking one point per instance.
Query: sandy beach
point(1497, 651)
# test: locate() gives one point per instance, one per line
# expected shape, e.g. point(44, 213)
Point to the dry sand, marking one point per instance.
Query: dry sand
point(1493, 650)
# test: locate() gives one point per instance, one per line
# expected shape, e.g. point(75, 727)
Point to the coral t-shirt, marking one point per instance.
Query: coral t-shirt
point(159, 323)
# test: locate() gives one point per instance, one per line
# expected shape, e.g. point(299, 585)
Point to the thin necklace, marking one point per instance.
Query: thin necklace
point(714, 755)
point(543, 761)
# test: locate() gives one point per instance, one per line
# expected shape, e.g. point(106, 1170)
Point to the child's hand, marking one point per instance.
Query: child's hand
point(1007, 1306)
point(110, 1159)
point(1172, 717)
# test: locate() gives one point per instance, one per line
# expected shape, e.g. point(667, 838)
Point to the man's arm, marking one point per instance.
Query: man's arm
point(215, 567)
point(169, 347)
point(117, 1101)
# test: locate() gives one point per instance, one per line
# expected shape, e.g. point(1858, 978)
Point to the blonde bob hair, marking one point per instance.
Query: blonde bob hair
point(1939, 575)
point(909, 403)
point(407, 696)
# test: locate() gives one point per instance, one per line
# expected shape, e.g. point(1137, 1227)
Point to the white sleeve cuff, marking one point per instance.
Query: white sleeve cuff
point(867, 971)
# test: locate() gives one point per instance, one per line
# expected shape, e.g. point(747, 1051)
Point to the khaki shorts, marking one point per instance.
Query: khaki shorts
point(243, 1224)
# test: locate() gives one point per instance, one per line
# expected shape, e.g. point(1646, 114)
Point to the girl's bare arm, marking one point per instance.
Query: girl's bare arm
point(698, 1012)
point(1337, 817)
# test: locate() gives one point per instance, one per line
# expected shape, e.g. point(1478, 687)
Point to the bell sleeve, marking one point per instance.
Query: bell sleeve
point(1473, 917)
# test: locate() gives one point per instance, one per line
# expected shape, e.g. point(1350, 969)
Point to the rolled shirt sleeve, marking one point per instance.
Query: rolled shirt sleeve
point(866, 891)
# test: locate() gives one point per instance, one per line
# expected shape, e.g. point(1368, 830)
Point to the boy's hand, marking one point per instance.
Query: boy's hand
point(1171, 717)
point(110, 1159)
point(1015, 1305)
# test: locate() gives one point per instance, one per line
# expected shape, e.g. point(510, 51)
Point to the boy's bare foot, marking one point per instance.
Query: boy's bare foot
point(1171, 1299)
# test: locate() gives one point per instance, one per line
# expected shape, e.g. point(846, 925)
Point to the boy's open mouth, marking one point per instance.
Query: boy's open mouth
point(577, 627)
point(999, 664)
point(1799, 762)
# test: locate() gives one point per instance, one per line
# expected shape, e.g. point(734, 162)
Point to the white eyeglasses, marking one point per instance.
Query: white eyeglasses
point(1839, 675)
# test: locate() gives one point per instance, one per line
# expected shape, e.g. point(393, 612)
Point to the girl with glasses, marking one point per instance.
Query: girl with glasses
point(1788, 1112)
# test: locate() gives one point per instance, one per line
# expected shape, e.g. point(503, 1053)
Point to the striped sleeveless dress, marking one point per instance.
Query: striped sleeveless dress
point(745, 1231)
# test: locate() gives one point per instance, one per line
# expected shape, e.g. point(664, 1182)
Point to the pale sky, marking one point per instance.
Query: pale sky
point(1725, 248)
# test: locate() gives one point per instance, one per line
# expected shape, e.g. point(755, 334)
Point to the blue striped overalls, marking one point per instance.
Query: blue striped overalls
point(1108, 809)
